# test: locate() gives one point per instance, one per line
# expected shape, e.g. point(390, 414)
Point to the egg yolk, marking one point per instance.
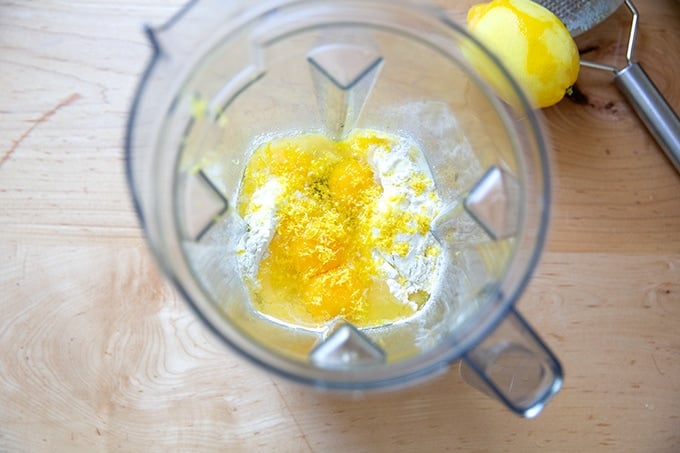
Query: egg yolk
point(319, 264)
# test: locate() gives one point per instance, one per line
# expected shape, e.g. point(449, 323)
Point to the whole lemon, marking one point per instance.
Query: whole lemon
point(532, 43)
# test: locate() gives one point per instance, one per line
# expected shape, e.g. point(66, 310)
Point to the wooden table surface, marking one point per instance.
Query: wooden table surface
point(98, 353)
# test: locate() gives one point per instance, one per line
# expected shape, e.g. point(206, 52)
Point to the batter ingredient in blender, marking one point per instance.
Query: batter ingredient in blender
point(339, 229)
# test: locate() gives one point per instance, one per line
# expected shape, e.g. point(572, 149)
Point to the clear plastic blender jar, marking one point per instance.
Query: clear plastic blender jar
point(226, 76)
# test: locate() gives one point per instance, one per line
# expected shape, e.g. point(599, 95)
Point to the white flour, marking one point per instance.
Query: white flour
point(400, 171)
point(408, 192)
point(261, 221)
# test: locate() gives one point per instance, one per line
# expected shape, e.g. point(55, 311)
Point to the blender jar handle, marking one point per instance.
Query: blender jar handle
point(513, 365)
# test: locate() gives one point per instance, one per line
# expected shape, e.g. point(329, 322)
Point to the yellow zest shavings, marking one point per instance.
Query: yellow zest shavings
point(320, 262)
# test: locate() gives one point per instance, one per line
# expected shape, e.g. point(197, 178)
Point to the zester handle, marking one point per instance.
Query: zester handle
point(649, 104)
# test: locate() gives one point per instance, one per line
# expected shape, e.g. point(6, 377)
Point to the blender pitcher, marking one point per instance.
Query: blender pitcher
point(227, 76)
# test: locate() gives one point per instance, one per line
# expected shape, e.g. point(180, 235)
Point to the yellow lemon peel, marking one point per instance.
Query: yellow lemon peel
point(531, 42)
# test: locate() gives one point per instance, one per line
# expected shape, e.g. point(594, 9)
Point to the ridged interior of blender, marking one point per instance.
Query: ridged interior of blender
point(279, 76)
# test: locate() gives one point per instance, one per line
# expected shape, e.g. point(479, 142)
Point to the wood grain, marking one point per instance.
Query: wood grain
point(614, 188)
point(98, 353)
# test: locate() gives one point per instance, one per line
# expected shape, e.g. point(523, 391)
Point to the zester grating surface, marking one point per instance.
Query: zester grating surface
point(581, 15)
